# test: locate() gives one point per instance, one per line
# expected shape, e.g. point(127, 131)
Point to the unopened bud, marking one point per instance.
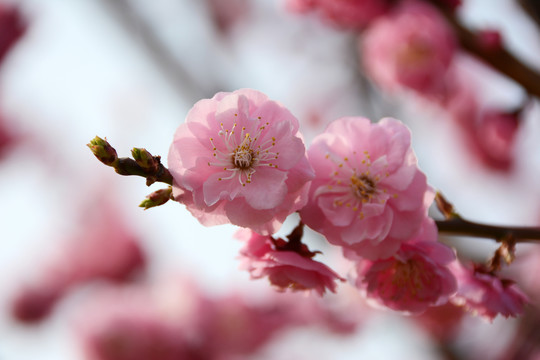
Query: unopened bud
point(156, 198)
point(145, 160)
point(103, 151)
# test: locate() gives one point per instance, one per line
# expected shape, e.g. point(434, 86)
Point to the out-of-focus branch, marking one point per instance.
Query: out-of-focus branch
point(532, 8)
point(500, 59)
point(172, 69)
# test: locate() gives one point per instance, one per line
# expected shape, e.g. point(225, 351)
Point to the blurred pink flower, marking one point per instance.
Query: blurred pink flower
point(368, 194)
point(441, 323)
point(126, 324)
point(105, 248)
point(413, 280)
point(495, 138)
point(239, 159)
point(284, 269)
point(343, 13)
point(175, 320)
point(485, 294)
point(412, 47)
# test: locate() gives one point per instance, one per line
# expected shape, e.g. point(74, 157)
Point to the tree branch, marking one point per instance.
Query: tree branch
point(500, 59)
point(461, 227)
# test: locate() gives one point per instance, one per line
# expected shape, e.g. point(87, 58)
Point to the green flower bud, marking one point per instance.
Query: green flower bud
point(103, 151)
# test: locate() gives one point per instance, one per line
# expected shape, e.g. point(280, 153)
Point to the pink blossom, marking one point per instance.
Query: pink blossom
point(412, 280)
point(343, 13)
point(239, 159)
point(284, 269)
point(412, 48)
point(368, 194)
point(490, 134)
point(495, 137)
point(485, 294)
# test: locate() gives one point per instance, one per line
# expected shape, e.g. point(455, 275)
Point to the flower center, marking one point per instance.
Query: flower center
point(363, 187)
point(243, 158)
point(240, 152)
point(355, 182)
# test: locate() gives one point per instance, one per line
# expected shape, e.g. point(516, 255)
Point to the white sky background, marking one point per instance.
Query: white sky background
point(77, 74)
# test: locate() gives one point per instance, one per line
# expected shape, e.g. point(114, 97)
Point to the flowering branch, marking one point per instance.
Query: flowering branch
point(498, 57)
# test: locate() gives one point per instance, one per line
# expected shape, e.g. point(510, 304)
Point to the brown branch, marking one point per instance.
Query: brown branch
point(499, 59)
point(461, 227)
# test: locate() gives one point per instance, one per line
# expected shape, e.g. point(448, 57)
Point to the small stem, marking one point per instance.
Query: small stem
point(127, 166)
point(461, 227)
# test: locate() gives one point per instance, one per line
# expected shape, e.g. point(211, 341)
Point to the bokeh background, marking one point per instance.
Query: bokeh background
point(129, 70)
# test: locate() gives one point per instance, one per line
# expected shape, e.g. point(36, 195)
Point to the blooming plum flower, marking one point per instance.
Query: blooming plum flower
point(412, 280)
point(485, 294)
point(413, 47)
point(240, 159)
point(284, 269)
point(368, 194)
point(343, 13)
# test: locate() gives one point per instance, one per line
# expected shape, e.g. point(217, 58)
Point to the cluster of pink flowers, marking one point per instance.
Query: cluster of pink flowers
point(240, 159)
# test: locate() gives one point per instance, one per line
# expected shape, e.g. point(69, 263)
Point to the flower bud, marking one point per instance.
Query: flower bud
point(145, 160)
point(103, 151)
point(156, 198)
